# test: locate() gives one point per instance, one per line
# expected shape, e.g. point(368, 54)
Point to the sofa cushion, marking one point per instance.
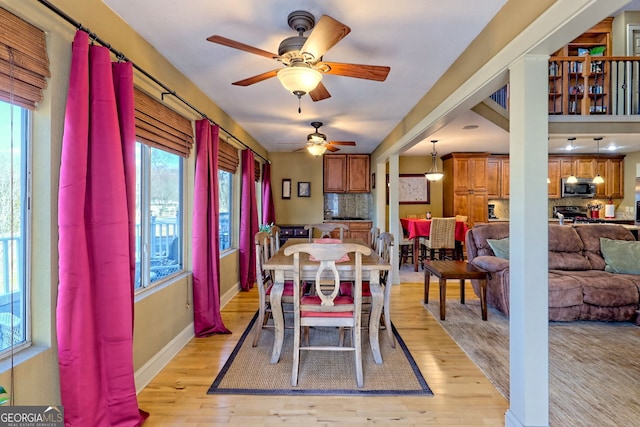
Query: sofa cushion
point(604, 289)
point(500, 247)
point(478, 235)
point(566, 249)
point(590, 235)
point(621, 256)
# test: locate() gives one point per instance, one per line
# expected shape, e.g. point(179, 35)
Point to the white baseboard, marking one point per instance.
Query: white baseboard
point(150, 369)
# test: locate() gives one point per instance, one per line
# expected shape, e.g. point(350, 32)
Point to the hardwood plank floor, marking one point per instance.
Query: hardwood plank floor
point(463, 396)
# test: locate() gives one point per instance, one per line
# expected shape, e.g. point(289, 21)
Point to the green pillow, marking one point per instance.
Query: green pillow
point(621, 256)
point(500, 247)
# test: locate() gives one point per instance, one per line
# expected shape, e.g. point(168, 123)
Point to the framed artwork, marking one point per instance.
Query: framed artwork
point(413, 189)
point(304, 189)
point(286, 188)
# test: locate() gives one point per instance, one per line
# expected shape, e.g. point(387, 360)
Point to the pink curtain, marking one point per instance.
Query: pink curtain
point(248, 222)
point(94, 317)
point(268, 209)
point(206, 235)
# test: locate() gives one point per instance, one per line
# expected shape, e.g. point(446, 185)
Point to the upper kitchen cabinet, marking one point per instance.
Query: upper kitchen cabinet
point(554, 178)
point(611, 169)
point(346, 173)
point(465, 186)
point(498, 176)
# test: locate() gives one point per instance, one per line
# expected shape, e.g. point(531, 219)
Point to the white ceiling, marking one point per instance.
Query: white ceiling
point(418, 39)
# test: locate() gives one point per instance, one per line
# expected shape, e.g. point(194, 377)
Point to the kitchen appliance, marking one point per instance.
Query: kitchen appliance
point(492, 211)
point(584, 188)
point(570, 213)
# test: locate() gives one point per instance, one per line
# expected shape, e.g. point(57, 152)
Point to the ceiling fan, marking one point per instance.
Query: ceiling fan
point(303, 57)
point(317, 142)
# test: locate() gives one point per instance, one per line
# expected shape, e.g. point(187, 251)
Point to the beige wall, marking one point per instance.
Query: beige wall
point(298, 166)
point(419, 165)
point(159, 316)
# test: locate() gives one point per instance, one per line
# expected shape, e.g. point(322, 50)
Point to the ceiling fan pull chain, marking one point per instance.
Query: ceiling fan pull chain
point(299, 108)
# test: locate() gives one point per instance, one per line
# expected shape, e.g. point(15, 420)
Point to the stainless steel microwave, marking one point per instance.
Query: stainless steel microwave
point(584, 188)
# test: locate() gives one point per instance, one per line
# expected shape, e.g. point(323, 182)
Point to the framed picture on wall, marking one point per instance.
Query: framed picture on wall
point(413, 189)
point(286, 188)
point(304, 189)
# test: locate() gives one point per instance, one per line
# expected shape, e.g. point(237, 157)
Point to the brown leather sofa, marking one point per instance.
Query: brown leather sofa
point(579, 286)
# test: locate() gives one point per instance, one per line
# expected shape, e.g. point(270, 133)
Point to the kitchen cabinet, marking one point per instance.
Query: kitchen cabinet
point(357, 230)
point(465, 189)
point(498, 177)
point(610, 167)
point(346, 173)
point(554, 178)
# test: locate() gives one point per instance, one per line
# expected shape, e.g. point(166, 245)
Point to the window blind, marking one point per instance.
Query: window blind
point(24, 64)
point(227, 157)
point(161, 127)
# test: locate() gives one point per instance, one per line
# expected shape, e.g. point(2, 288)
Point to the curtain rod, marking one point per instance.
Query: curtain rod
point(121, 56)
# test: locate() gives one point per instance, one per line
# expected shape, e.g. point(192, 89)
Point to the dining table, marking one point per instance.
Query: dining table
point(418, 227)
point(282, 267)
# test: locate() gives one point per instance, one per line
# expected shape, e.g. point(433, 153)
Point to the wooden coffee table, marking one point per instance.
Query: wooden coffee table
point(461, 270)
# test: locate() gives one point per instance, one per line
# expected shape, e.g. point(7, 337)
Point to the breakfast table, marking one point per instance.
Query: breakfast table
point(421, 228)
point(282, 266)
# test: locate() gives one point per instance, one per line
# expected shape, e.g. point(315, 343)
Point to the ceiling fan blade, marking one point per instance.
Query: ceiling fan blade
point(319, 93)
point(370, 72)
point(237, 45)
point(326, 33)
point(350, 143)
point(256, 79)
point(331, 148)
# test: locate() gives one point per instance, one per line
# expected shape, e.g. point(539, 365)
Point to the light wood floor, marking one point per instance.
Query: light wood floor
point(463, 396)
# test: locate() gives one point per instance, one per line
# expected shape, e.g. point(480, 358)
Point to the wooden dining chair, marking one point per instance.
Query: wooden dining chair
point(374, 234)
point(325, 229)
point(327, 308)
point(274, 231)
point(442, 238)
point(385, 251)
point(264, 283)
point(406, 246)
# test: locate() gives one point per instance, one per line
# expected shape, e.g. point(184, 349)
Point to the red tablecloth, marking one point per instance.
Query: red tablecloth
point(422, 227)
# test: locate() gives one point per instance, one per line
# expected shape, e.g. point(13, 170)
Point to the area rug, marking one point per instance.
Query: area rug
point(248, 371)
point(594, 368)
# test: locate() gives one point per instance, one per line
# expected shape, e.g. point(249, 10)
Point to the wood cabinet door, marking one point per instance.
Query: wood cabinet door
point(602, 190)
point(360, 230)
point(504, 179)
point(358, 173)
point(554, 179)
point(614, 178)
point(477, 209)
point(335, 173)
point(585, 168)
point(493, 178)
point(461, 173)
point(478, 173)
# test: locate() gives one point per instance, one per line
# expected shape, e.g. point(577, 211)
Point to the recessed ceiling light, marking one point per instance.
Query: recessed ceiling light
point(612, 148)
point(468, 127)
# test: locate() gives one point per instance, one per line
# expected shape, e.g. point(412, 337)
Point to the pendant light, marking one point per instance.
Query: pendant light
point(434, 174)
point(598, 179)
point(572, 178)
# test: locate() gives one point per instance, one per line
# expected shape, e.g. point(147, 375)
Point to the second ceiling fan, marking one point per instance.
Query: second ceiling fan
point(317, 142)
point(303, 57)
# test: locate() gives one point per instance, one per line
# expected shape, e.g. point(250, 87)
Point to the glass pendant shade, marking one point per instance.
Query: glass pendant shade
point(434, 174)
point(300, 79)
point(572, 179)
point(316, 149)
point(598, 179)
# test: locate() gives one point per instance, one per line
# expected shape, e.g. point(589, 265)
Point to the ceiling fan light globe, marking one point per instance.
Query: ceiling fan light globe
point(316, 149)
point(299, 79)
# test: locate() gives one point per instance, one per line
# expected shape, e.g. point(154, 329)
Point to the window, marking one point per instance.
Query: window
point(225, 196)
point(14, 239)
point(159, 196)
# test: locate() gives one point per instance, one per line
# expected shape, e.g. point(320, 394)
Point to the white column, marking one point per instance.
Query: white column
point(394, 210)
point(528, 231)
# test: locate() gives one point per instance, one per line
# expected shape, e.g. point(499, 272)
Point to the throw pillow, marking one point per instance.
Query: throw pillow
point(621, 256)
point(500, 247)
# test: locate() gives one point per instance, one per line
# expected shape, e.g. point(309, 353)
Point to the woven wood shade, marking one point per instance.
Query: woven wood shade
point(159, 126)
point(24, 64)
point(256, 165)
point(227, 157)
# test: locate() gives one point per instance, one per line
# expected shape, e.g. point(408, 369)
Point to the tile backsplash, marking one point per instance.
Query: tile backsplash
point(348, 205)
